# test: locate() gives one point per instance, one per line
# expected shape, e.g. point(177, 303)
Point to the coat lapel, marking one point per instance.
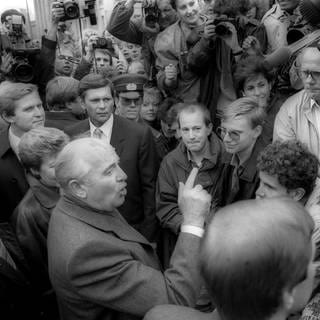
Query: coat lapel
point(118, 134)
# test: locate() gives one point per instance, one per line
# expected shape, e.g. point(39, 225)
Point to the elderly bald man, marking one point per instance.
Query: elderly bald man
point(257, 262)
point(102, 268)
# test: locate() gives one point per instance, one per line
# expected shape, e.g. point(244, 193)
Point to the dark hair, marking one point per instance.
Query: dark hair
point(196, 107)
point(166, 112)
point(292, 163)
point(61, 90)
point(11, 12)
point(254, 250)
point(249, 68)
point(94, 81)
point(231, 8)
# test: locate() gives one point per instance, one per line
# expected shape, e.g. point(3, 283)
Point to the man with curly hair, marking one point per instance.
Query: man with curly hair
point(289, 169)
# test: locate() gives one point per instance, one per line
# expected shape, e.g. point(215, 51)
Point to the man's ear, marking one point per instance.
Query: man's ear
point(288, 300)
point(35, 173)
point(297, 194)
point(77, 189)
point(209, 129)
point(8, 118)
point(258, 130)
point(82, 103)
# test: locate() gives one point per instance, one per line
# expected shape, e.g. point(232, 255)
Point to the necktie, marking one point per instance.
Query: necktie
point(97, 133)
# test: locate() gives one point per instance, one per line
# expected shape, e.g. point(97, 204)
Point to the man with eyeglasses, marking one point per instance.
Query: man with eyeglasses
point(241, 132)
point(64, 63)
point(133, 143)
point(299, 116)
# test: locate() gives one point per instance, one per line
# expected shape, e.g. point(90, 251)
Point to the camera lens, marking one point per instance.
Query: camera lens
point(71, 10)
point(222, 30)
point(23, 72)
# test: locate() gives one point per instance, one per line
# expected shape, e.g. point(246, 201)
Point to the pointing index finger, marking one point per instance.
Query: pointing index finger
point(191, 178)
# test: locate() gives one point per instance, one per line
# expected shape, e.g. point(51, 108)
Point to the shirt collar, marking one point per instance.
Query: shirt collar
point(14, 142)
point(207, 153)
point(106, 128)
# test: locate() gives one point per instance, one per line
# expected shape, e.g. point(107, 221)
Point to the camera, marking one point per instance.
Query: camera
point(71, 9)
point(222, 29)
point(89, 11)
point(151, 15)
point(103, 43)
point(22, 70)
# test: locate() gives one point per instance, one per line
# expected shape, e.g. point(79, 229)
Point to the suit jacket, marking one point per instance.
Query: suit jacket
point(139, 160)
point(102, 268)
point(13, 183)
point(170, 312)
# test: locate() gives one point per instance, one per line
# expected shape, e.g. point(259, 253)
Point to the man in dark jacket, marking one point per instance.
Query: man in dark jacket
point(134, 144)
point(21, 107)
point(241, 129)
point(200, 148)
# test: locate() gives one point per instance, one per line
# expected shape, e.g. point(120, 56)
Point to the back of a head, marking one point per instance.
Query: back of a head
point(61, 90)
point(254, 250)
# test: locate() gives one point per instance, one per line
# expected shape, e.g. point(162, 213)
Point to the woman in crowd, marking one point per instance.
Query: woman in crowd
point(254, 79)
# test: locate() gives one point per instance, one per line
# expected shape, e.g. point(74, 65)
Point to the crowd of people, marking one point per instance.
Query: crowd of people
point(165, 169)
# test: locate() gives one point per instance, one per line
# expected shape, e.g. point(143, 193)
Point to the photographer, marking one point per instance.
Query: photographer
point(101, 56)
point(124, 29)
point(40, 67)
point(194, 63)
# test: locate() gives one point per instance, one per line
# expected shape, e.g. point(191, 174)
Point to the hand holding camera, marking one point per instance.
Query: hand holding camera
point(7, 61)
point(209, 29)
point(57, 12)
point(227, 31)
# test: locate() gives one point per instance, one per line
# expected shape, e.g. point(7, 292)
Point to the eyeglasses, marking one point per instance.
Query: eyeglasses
point(128, 102)
point(234, 135)
point(315, 75)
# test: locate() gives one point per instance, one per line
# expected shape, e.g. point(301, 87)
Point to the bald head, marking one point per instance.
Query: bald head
point(78, 158)
point(252, 251)
point(310, 54)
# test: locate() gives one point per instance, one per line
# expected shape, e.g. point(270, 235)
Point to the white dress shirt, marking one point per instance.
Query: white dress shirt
point(106, 128)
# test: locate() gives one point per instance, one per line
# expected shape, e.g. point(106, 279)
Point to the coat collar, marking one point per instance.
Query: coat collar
point(217, 153)
point(106, 221)
point(119, 132)
point(47, 196)
point(250, 166)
